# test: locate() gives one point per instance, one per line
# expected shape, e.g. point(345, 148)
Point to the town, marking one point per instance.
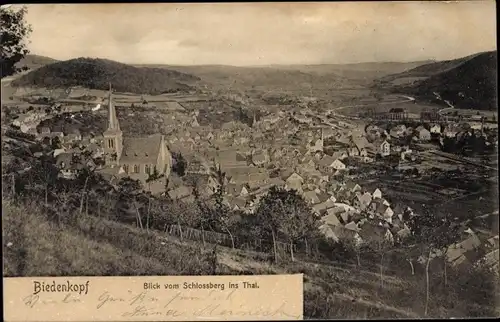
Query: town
point(374, 180)
point(322, 155)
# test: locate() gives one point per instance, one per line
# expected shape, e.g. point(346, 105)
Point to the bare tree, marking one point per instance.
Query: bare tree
point(285, 214)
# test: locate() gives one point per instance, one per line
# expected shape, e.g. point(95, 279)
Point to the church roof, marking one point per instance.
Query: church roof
point(141, 150)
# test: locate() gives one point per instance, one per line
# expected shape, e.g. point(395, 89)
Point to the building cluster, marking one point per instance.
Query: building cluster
point(297, 149)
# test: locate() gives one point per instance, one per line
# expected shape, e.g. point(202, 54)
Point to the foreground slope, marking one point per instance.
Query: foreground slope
point(469, 82)
point(96, 246)
point(97, 73)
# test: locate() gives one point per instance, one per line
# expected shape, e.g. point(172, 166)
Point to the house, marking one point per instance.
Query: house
point(44, 130)
point(360, 143)
point(377, 194)
point(398, 131)
point(407, 155)
point(327, 132)
point(180, 193)
point(253, 180)
point(377, 207)
point(57, 134)
point(315, 145)
point(352, 186)
point(373, 234)
point(422, 133)
point(236, 190)
point(362, 201)
point(67, 166)
point(450, 131)
point(353, 151)
point(435, 129)
point(320, 208)
point(294, 181)
point(56, 152)
point(311, 197)
point(351, 225)
point(456, 252)
point(331, 218)
point(277, 181)
point(324, 197)
point(397, 113)
point(409, 131)
point(491, 261)
point(73, 134)
point(338, 165)
point(308, 165)
point(326, 162)
point(302, 119)
point(493, 242)
point(339, 155)
point(260, 157)
point(385, 149)
point(238, 203)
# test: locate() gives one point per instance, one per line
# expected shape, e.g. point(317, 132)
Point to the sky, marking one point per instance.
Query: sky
point(263, 33)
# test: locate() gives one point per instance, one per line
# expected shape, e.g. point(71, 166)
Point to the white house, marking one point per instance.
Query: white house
point(338, 165)
point(385, 148)
point(435, 129)
point(377, 194)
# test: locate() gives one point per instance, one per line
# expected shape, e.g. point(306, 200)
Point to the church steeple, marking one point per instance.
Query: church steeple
point(112, 119)
point(113, 136)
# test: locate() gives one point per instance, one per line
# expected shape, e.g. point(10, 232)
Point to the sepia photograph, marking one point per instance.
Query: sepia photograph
point(270, 160)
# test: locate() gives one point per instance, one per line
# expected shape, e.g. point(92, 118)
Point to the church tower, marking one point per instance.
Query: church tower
point(113, 136)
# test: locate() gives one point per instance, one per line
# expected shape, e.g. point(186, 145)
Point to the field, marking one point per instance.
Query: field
point(462, 195)
point(406, 80)
point(472, 112)
point(384, 107)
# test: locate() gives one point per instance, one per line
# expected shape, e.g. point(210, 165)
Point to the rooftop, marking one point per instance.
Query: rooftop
point(143, 150)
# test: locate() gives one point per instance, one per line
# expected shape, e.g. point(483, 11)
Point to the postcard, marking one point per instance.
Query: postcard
point(153, 298)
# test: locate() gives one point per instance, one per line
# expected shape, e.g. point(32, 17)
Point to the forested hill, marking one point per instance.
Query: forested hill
point(31, 61)
point(469, 82)
point(97, 73)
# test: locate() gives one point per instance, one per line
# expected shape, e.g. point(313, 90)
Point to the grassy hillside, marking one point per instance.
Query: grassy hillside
point(35, 61)
point(98, 73)
point(96, 246)
point(469, 82)
point(92, 247)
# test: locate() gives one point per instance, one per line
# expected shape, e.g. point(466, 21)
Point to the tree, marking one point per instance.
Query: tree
point(179, 165)
point(432, 236)
point(152, 177)
point(46, 174)
point(56, 143)
point(128, 191)
point(220, 214)
point(286, 214)
point(14, 32)
point(46, 141)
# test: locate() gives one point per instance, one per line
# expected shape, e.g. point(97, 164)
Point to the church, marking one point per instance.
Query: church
point(135, 157)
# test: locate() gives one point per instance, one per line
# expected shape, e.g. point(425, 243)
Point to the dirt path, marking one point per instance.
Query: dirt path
point(377, 305)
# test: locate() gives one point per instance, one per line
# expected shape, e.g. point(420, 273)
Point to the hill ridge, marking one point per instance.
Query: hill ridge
point(468, 82)
point(97, 73)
